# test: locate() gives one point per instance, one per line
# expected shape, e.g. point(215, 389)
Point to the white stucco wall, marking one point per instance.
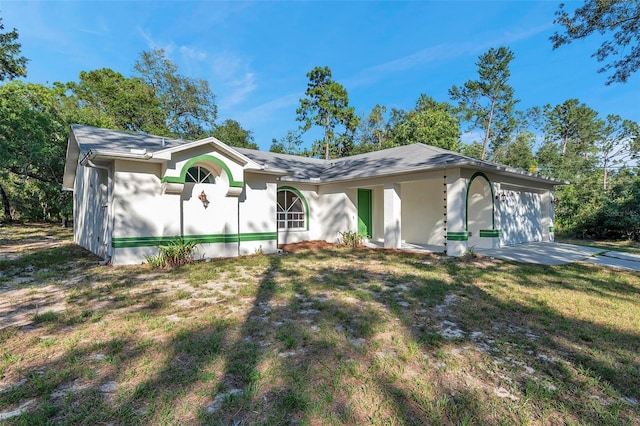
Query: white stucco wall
point(139, 209)
point(258, 214)
point(377, 202)
point(423, 212)
point(456, 192)
point(90, 210)
point(148, 212)
point(337, 212)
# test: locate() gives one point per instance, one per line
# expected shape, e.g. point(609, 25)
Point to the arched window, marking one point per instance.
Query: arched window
point(197, 174)
point(291, 214)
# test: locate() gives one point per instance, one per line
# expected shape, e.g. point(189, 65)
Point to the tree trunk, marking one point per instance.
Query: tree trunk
point(5, 204)
point(565, 140)
point(326, 139)
point(488, 132)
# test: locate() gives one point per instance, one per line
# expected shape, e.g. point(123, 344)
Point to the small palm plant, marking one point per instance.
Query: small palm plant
point(177, 252)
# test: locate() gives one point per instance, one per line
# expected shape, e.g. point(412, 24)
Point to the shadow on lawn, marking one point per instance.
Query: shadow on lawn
point(599, 351)
point(322, 345)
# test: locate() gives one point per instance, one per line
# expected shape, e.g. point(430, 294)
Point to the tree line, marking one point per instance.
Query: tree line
point(570, 141)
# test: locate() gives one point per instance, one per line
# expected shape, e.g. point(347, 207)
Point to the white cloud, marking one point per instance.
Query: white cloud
point(153, 44)
point(240, 89)
point(263, 112)
point(440, 53)
point(472, 136)
point(193, 53)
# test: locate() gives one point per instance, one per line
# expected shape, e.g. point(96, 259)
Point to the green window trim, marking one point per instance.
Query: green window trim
point(490, 233)
point(493, 201)
point(458, 236)
point(304, 201)
point(203, 159)
point(127, 242)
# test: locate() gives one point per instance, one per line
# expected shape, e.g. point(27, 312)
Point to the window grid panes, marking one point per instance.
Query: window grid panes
point(199, 174)
point(291, 214)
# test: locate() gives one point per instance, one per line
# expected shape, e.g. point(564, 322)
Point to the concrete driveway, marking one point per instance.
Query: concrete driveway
point(559, 254)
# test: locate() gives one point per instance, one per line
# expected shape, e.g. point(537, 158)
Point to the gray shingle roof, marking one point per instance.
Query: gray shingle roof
point(111, 140)
point(393, 161)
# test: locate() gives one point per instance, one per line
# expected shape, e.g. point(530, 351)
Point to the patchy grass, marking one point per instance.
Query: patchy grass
point(620, 245)
point(329, 336)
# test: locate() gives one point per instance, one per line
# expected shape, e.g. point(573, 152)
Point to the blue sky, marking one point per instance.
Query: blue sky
point(255, 55)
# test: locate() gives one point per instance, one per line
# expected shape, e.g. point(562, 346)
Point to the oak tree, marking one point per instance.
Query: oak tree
point(188, 104)
point(12, 63)
point(430, 122)
point(232, 133)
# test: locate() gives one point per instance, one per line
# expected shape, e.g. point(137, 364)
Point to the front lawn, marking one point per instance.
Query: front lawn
point(330, 336)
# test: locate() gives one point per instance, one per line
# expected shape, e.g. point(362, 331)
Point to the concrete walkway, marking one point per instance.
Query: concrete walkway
point(560, 254)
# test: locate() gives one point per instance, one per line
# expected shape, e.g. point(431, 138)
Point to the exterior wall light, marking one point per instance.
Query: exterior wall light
point(203, 197)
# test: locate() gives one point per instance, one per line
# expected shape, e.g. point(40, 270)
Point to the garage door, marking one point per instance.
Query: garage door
point(520, 214)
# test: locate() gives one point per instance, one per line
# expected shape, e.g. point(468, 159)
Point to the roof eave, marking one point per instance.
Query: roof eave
point(97, 154)
point(71, 163)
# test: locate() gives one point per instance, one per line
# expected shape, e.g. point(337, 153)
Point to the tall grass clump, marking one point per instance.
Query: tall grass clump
point(351, 239)
point(177, 252)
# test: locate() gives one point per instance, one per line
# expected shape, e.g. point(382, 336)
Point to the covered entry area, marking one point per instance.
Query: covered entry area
point(409, 215)
point(480, 212)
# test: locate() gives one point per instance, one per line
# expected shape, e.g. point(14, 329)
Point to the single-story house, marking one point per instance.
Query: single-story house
point(133, 192)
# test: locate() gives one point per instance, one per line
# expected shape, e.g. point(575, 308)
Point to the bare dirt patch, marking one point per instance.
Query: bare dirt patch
point(314, 245)
point(14, 251)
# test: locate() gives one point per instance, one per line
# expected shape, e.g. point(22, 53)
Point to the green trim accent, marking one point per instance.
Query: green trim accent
point(490, 233)
point(139, 241)
point(552, 229)
point(259, 236)
point(466, 201)
point(458, 236)
point(124, 242)
point(212, 238)
point(304, 201)
point(203, 159)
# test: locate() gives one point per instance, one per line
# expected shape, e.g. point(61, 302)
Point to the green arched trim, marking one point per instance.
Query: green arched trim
point(304, 201)
point(204, 159)
point(466, 202)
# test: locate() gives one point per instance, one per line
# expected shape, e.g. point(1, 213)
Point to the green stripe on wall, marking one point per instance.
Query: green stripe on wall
point(125, 242)
point(259, 236)
point(140, 241)
point(458, 236)
point(490, 233)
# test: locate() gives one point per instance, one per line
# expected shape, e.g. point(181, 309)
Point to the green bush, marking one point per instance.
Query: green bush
point(351, 239)
point(177, 253)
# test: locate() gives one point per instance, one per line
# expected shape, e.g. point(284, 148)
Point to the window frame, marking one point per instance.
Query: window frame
point(288, 219)
point(208, 174)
